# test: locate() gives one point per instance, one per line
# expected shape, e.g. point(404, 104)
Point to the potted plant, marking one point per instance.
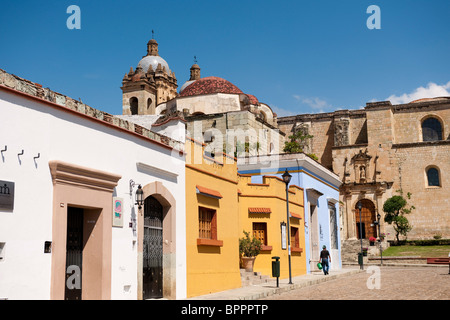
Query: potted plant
point(365, 251)
point(372, 240)
point(249, 249)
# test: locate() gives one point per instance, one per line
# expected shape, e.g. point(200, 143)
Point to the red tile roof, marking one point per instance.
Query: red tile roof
point(259, 210)
point(210, 85)
point(294, 215)
point(253, 99)
point(208, 192)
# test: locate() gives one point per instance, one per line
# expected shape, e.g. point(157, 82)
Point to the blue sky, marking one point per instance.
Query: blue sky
point(296, 56)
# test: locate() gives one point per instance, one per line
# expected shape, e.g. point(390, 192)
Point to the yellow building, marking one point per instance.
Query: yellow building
point(263, 212)
point(220, 205)
point(212, 217)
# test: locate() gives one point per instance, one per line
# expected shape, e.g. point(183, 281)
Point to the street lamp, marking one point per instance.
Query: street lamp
point(360, 235)
point(139, 197)
point(287, 178)
point(379, 236)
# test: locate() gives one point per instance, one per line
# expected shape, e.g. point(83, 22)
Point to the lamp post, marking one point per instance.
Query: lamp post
point(360, 234)
point(379, 237)
point(287, 178)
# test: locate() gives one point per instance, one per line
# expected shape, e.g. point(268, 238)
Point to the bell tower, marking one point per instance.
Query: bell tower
point(195, 71)
point(151, 84)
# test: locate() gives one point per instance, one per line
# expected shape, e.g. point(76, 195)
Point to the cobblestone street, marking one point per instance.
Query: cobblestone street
point(379, 283)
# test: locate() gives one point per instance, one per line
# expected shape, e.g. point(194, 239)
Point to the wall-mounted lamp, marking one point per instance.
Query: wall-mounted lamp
point(139, 197)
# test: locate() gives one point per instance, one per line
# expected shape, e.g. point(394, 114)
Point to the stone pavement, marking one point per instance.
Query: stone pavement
point(407, 282)
point(394, 282)
point(263, 290)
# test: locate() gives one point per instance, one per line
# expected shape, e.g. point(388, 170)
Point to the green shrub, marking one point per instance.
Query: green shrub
point(249, 247)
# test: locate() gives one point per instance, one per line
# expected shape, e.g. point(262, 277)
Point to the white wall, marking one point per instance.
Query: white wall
point(59, 135)
point(209, 103)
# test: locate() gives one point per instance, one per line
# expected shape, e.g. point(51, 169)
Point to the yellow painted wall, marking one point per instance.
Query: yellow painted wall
point(211, 268)
point(214, 268)
point(272, 194)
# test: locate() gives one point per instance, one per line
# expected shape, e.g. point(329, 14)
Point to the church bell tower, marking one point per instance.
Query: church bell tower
point(150, 84)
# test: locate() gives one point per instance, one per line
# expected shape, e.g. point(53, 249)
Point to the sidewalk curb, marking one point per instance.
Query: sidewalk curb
point(265, 290)
point(289, 287)
point(396, 264)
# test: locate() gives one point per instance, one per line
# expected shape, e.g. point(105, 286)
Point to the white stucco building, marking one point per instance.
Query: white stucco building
point(69, 175)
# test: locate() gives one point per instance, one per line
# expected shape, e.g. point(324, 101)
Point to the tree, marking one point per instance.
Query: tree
point(296, 143)
point(396, 208)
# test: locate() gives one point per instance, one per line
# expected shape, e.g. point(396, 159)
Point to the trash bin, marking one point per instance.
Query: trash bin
point(276, 267)
point(360, 258)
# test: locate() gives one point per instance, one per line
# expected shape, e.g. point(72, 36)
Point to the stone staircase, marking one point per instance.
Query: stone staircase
point(351, 248)
point(249, 278)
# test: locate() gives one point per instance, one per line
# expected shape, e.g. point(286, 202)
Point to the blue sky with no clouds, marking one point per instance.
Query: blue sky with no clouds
point(296, 56)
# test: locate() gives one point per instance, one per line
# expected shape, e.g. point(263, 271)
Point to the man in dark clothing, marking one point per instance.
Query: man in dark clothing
point(325, 259)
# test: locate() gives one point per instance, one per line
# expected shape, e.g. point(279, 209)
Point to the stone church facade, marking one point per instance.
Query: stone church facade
point(380, 150)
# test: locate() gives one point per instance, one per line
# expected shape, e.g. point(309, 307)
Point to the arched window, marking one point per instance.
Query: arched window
point(431, 129)
point(134, 105)
point(149, 103)
point(433, 179)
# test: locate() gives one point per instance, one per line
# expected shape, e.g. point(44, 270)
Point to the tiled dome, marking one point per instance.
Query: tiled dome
point(210, 85)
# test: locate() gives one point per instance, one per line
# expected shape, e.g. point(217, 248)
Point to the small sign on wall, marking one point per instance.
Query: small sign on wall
point(117, 212)
point(6, 195)
point(283, 235)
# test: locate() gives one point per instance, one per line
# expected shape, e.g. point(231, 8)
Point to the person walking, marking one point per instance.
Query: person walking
point(325, 259)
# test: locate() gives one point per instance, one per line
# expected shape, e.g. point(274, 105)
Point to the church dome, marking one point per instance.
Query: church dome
point(209, 85)
point(153, 61)
point(187, 84)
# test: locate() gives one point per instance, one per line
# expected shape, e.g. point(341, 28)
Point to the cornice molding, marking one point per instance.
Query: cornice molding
point(71, 174)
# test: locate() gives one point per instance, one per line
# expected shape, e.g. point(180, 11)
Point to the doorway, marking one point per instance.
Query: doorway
point(82, 200)
point(368, 228)
point(153, 249)
point(313, 236)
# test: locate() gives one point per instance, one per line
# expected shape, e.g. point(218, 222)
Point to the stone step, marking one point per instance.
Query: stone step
point(249, 278)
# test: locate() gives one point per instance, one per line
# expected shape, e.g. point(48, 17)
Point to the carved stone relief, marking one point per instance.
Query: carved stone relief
point(361, 162)
point(341, 132)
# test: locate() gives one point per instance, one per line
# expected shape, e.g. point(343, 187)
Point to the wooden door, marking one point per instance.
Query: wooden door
point(367, 218)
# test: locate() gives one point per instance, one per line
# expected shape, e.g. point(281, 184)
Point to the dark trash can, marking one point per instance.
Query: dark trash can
point(276, 267)
point(360, 258)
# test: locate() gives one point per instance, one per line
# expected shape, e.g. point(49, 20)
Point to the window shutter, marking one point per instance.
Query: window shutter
point(213, 225)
